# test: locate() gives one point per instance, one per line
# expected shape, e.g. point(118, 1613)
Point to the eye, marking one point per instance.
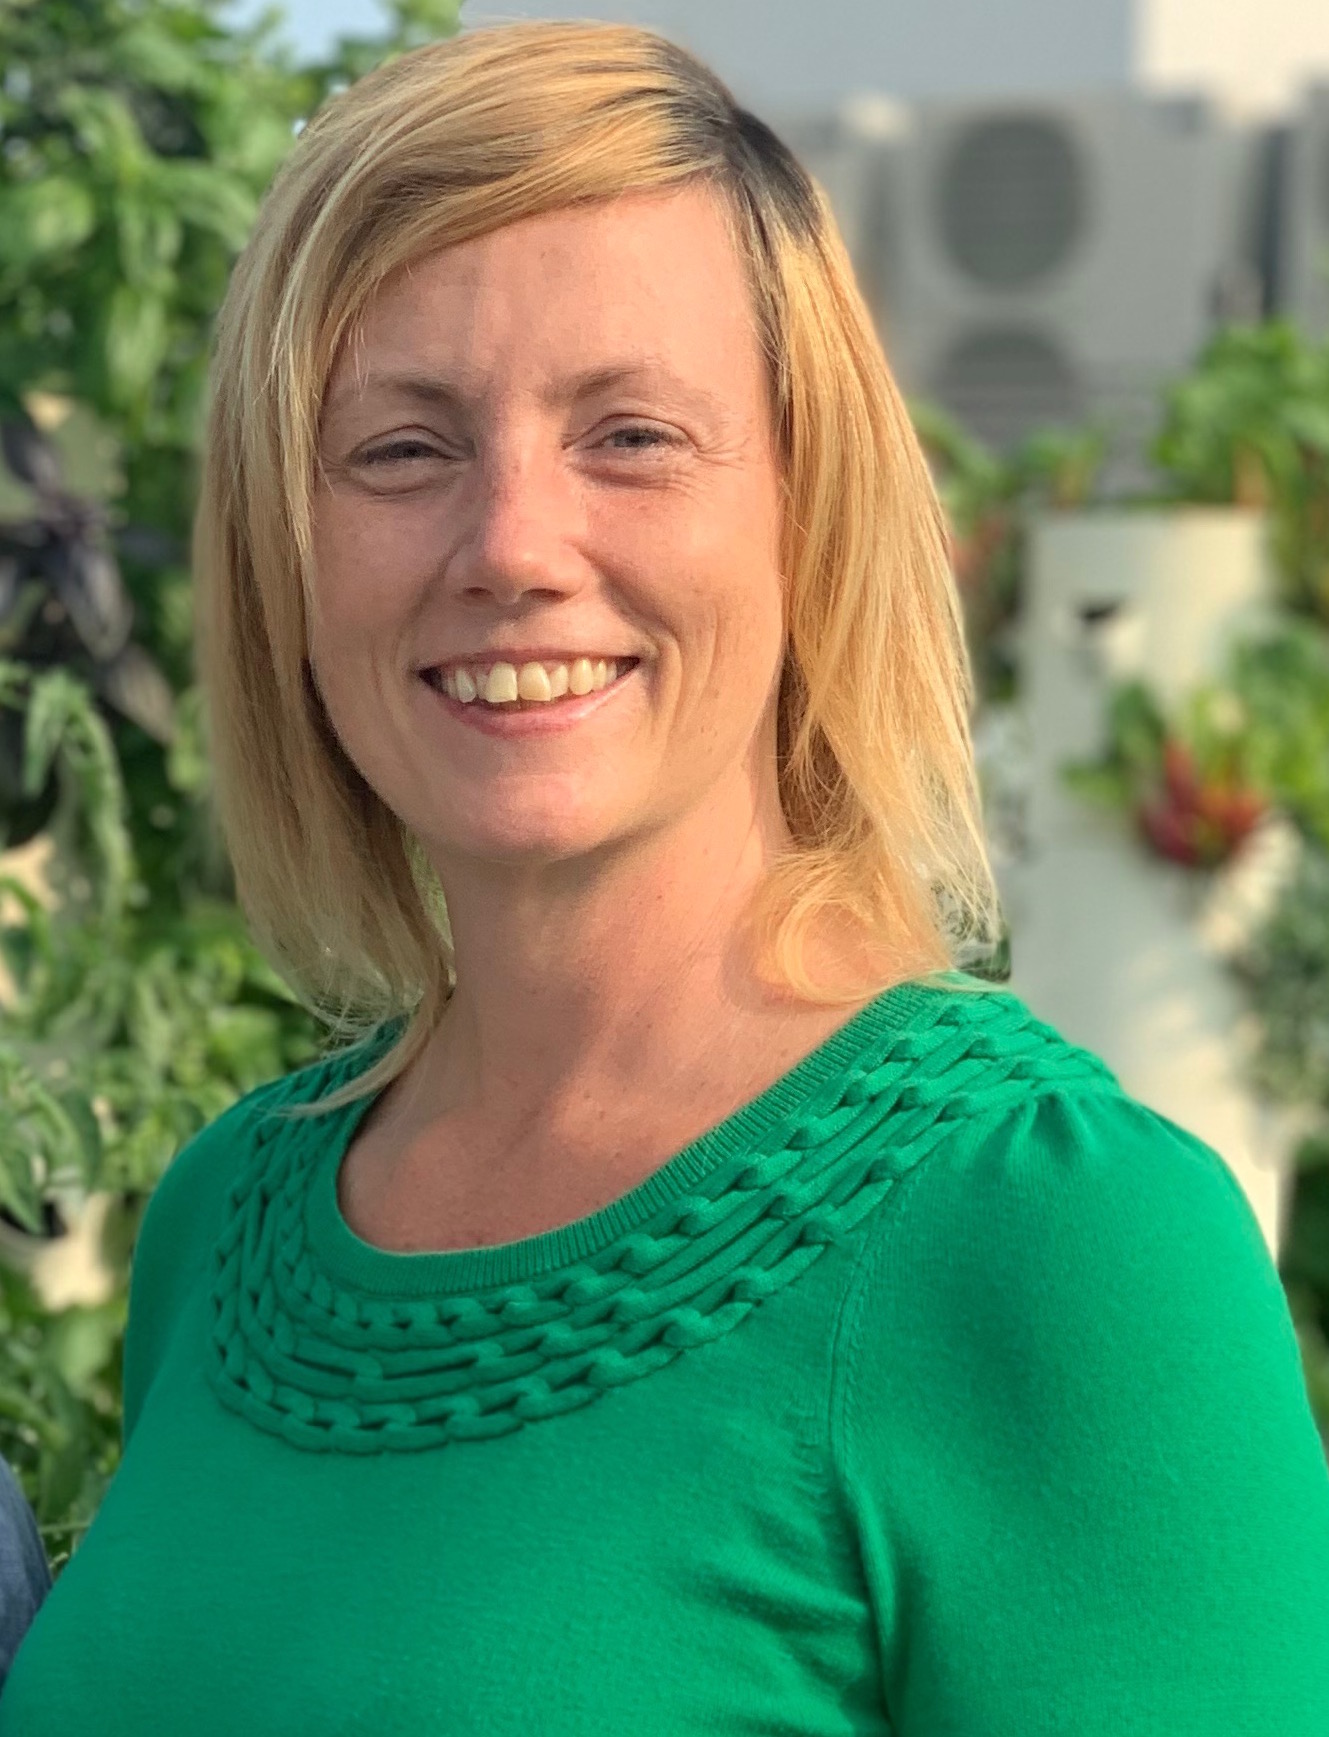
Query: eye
point(409, 447)
point(640, 437)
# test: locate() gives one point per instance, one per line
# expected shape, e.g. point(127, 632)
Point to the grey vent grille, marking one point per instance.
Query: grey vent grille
point(1012, 200)
point(1005, 383)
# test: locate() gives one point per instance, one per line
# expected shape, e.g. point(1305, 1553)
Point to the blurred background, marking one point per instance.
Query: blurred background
point(1094, 236)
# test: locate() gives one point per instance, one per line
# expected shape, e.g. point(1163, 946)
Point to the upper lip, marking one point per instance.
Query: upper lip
point(527, 654)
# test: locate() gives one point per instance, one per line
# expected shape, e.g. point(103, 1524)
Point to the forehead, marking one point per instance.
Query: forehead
point(651, 278)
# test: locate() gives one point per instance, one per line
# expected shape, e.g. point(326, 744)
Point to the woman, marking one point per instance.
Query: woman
point(692, 1303)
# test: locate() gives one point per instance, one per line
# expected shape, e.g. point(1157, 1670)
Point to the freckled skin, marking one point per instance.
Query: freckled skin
point(522, 495)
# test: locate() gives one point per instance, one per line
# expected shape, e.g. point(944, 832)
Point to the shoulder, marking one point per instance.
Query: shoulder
point(1040, 1128)
point(1068, 1420)
point(206, 1166)
point(1050, 1184)
point(198, 1177)
point(186, 1211)
point(1066, 1258)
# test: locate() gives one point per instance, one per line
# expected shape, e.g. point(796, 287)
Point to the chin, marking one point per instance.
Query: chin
point(517, 837)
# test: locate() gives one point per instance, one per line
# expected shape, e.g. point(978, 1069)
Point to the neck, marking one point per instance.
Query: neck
point(577, 991)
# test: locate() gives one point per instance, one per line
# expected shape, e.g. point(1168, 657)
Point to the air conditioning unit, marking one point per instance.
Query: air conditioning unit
point(1305, 216)
point(1060, 260)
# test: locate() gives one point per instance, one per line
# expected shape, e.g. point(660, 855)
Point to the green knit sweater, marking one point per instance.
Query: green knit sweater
point(942, 1390)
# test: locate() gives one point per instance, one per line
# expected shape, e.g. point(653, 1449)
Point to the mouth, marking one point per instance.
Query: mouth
point(528, 717)
point(435, 680)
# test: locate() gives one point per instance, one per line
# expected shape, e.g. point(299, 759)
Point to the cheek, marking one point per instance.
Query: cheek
point(340, 521)
point(711, 575)
point(724, 538)
point(337, 545)
point(362, 578)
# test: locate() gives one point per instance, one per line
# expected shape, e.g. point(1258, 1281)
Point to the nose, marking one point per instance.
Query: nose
point(518, 530)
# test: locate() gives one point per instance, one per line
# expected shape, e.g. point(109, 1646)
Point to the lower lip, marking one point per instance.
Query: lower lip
point(547, 719)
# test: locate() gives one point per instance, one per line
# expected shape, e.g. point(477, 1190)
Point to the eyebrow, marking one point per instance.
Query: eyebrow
point(440, 392)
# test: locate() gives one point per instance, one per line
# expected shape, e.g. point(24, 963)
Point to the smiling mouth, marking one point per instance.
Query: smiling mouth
point(434, 679)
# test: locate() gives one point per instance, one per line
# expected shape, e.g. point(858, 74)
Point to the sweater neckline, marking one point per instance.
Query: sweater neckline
point(336, 1345)
point(362, 1266)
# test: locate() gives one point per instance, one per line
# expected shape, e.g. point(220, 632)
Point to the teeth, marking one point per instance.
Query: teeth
point(502, 683)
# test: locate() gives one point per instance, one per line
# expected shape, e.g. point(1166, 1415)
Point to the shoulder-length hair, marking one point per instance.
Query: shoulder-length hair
point(875, 758)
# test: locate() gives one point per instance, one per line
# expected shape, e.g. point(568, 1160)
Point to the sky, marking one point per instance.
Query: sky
point(313, 24)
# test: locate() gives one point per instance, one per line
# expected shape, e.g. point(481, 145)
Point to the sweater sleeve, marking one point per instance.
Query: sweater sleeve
point(1073, 1434)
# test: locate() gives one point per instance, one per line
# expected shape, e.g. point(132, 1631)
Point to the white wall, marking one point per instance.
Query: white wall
point(792, 54)
point(797, 53)
point(1257, 53)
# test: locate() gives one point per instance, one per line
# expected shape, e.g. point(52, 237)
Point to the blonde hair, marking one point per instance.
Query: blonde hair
point(875, 758)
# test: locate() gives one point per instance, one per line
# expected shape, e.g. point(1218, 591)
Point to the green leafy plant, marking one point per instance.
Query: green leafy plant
point(1285, 966)
point(63, 604)
point(128, 1030)
point(136, 137)
point(1280, 681)
point(988, 496)
point(1249, 425)
point(1186, 783)
point(1197, 782)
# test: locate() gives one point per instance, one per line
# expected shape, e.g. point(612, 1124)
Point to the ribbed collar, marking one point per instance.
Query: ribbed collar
point(381, 1272)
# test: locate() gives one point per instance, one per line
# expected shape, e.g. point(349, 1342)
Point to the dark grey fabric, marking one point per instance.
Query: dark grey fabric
point(25, 1578)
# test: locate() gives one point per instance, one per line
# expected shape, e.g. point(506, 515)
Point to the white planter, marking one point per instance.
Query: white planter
point(30, 865)
point(1119, 950)
point(68, 1269)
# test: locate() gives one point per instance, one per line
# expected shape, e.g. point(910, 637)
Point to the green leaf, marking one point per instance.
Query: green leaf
point(209, 198)
point(45, 724)
point(150, 235)
point(38, 1140)
point(136, 337)
point(245, 1042)
point(20, 1193)
point(80, 1343)
point(107, 131)
point(1105, 786)
point(187, 766)
point(44, 218)
point(63, 1471)
point(147, 54)
point(1309, 422)
point(83, 1120)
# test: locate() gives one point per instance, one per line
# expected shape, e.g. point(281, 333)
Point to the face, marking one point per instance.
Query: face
point(550, 442)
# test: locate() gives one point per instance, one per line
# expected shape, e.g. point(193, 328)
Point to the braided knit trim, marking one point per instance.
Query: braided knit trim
point(331, 1369)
